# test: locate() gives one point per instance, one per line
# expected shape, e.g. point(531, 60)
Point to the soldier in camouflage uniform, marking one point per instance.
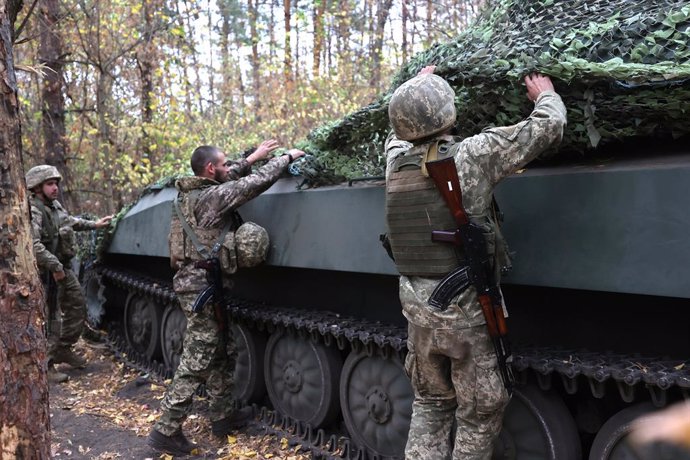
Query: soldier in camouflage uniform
point(54, 247)
point(451, 361)
point(208, 201)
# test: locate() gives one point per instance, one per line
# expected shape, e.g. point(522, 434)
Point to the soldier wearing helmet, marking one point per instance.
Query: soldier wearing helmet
point(451, 361)
point(205, 225)
point(54, 246)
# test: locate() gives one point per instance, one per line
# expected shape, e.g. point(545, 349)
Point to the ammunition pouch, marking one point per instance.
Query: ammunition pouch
point(66, 247)
point(227, 255)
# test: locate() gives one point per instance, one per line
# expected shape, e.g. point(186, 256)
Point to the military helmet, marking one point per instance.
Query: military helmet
point(421, 107)
point(251, 244)
point(41, 173)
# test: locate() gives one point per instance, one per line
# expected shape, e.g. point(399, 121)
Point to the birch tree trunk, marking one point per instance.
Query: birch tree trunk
point(24, 419)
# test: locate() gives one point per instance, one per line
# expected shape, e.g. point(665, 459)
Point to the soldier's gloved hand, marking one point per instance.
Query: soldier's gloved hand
point(59, 276)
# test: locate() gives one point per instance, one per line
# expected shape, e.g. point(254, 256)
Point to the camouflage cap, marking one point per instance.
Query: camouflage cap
point(251, 243)
point(421, 107)
point(41, 173)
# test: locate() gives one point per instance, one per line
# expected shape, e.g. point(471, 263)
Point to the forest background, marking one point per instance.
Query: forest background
point(117, 93)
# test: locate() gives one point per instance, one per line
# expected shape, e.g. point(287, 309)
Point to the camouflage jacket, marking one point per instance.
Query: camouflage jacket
point(482, 161)
point(52, 232)
point(216, 203)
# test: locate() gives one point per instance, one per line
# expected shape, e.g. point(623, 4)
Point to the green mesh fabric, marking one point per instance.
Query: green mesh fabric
point(621, 66)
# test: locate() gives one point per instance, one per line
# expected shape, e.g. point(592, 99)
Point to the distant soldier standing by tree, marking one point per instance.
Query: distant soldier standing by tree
point(54, 246)
point(207, 228)
point(451, 361)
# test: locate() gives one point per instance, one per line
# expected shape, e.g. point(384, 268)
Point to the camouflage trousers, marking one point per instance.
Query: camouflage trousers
point(454, 374)
point(208, 357)
point(66, 327)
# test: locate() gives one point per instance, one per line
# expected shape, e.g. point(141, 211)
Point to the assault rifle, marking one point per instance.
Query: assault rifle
point(214, 290)
point(477, 268)
point(50, 285)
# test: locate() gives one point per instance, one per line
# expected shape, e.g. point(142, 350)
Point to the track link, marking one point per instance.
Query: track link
point(573, 368)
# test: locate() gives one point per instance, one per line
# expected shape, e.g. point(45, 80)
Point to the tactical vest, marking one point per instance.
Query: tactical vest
point(182, 248)
point(415, 207)
point(49, 228)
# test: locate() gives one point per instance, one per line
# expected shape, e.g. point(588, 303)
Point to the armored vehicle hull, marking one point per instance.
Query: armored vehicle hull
point(597, 300)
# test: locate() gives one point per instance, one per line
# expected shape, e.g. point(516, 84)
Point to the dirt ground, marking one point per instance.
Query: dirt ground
point(106, 412)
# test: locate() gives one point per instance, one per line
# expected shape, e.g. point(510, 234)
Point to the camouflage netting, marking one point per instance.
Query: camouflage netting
point(621, 66)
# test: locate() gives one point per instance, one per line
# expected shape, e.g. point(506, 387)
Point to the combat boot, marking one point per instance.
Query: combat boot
point(55, 376)
point(66, 355)
point(238, 419)
point(176, 444)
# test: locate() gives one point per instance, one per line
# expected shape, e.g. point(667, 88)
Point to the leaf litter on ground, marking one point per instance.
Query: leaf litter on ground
point(106, 411)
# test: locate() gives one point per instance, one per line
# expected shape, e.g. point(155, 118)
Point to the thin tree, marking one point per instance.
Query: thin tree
point(145, 58)
point(51, 55)
point(319, 39)
point(382, 12)
point(24, 419)
point(287, 15)
point(256, 75)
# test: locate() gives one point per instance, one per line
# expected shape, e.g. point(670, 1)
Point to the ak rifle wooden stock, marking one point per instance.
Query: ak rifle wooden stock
point(470, 237)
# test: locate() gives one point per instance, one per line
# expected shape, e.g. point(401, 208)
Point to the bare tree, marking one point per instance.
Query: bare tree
point(319, 39)
point(382, 12)
point(51, 55)
point(287, 15)
point(254, 36)
point(24, 418)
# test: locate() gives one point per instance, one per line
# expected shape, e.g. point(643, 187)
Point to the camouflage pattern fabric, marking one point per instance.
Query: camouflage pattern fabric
point(72, 311)
point(474, 394)
point(252, 244)
point(216, 203)
point(208, 357)
point(456, 338)
point(482, 161)
point(53, 241)
point(47, 222)
point(204, 358)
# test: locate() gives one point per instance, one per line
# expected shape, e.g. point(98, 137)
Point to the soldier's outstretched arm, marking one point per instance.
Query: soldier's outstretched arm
point(501, 151)
point(234, 194)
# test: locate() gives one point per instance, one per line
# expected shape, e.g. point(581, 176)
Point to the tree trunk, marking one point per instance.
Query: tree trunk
point(256, 78)
point(382, 12)
point(287, 14)
point(146, 63)
point(209, 68)
point(103, 97)
point(53, 103)
point(429, 22)
point(405, 15)
point(344, 32)
point(24, 419)
point(319, 9)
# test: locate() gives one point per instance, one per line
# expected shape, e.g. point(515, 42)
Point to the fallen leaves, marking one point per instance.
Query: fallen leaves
point(122, 397)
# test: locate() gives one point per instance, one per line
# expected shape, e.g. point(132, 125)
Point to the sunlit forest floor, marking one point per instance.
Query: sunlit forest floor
point(107, 410)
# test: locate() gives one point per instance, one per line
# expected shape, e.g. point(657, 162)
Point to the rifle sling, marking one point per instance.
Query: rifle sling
point(201, 249)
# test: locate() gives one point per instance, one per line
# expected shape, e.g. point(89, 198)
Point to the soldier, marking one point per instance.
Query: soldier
point(54, 246)
point(451, 361)
point(205, 224)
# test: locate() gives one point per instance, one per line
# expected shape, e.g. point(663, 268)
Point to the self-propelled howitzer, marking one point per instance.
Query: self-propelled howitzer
point(597, 299)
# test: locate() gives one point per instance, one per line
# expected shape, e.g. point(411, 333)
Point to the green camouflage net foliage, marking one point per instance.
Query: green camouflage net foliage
point(621, 67)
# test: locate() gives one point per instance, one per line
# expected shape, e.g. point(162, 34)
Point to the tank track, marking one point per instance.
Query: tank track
point(630, 374)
